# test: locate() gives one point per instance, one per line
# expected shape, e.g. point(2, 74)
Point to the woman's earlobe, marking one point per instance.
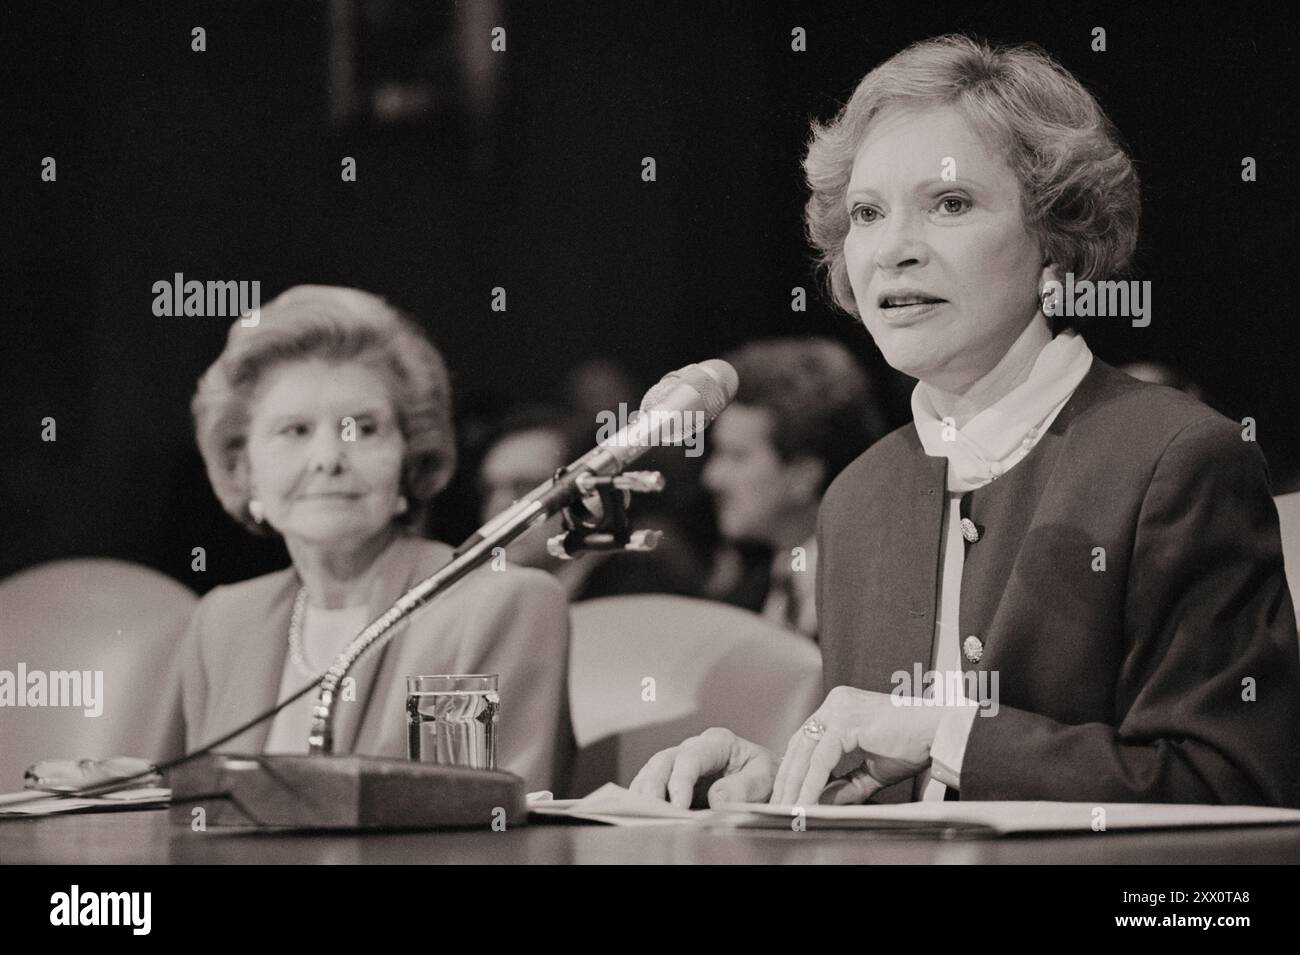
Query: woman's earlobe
point(1049, 290)
point(1047, 301)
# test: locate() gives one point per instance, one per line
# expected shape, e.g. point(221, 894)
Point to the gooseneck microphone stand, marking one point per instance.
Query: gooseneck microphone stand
point(565, 493)
point(321, 790)
point(326, 791)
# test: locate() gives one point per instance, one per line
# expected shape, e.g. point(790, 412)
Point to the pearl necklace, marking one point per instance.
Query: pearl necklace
point(295, 631)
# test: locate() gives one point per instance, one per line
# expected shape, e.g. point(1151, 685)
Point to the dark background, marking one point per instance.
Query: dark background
point(225, 165)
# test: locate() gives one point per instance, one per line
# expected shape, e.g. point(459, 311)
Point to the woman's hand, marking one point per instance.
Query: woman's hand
point(868, 742)
point(734, 769)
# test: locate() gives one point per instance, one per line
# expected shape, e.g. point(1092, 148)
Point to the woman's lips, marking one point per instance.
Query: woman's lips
point(906, 314)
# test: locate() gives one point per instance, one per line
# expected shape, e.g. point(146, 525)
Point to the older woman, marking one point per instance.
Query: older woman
point(328, 423)
point(1091, 562)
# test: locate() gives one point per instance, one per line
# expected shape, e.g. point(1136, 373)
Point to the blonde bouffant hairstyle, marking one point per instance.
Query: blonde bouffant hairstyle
point(1078, 186)
point(338, 325)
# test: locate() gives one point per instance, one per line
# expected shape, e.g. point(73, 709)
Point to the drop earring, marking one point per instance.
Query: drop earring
point(1047, 299)
point(402, 505)
point(256, 511)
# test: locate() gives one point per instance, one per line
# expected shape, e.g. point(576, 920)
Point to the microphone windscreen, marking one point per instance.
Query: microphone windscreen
point(725, 375)
point(715, 381)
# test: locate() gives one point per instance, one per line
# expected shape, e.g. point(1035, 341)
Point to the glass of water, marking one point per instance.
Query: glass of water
point(452, 719)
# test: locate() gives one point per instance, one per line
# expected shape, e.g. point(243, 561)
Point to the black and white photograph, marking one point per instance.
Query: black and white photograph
point(457, 432)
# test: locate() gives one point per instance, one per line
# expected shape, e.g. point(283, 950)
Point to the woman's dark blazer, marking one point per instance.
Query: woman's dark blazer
point(1168, 673)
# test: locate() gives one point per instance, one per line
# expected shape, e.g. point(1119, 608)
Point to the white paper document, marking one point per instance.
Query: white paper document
point(33, 803)
point(617, 806)
point(1008, 817)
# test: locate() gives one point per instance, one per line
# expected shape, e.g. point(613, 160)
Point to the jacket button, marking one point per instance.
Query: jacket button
point(973, 649)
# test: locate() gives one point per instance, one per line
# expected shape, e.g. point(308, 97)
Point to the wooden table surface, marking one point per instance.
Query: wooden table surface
point(148, 836)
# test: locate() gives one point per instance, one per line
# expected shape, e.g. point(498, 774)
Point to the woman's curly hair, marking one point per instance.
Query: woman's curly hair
point(340, 325)
point(1078, 186)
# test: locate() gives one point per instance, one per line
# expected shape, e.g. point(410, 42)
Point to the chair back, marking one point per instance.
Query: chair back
point(647, 671)
point(85, 637)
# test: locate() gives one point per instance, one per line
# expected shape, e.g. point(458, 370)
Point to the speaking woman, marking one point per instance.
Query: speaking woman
point(328, 423)
point(1096, 560)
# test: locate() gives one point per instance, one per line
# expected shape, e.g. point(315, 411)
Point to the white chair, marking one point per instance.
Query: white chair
point(91, 615)
point(647, 671)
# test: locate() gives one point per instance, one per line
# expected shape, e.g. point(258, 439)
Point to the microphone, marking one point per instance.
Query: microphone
point(324, 791)
point(683, 403)
point(703, 390)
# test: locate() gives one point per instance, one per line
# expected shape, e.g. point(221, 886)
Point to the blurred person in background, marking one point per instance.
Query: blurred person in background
point(1161, 374)
point(804, 410)
point(527, 448)
point(596, 384)
point(328, 425)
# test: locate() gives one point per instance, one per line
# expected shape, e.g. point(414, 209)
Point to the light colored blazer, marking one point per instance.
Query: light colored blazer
point(513, 622)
